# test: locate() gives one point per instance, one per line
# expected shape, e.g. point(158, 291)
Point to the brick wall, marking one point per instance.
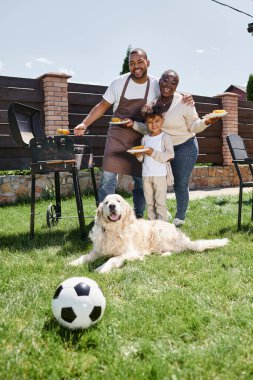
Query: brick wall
point(55, 89)
point(230, 122)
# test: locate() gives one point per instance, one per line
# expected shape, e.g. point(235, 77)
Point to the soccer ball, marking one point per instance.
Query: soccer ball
point(78, 303)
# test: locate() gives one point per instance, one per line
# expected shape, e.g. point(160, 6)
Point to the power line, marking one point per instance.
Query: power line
point(235, 9)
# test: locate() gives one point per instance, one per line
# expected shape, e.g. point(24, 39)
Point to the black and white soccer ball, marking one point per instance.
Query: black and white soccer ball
point(78, 303)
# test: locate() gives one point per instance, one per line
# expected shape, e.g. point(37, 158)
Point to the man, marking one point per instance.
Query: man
point(128, 94)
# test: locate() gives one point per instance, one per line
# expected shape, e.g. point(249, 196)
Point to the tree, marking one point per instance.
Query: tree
point(125, 67)
point(249, 88)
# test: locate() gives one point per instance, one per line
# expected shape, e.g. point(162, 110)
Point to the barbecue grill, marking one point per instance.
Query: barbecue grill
point(55, 154)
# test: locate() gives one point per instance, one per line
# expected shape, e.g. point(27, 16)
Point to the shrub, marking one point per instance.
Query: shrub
point(249, 88)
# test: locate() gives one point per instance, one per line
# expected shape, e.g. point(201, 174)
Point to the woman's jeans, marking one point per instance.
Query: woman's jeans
point(108, 185)
point(186, 155)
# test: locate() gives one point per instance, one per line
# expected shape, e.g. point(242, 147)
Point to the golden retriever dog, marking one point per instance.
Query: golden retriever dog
point(119, 235)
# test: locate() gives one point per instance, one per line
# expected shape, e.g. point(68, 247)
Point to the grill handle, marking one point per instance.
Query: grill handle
point(53, 162)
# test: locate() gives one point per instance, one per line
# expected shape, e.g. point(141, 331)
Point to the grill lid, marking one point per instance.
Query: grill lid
point(25, 123)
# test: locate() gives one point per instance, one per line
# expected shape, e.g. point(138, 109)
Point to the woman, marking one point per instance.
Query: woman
point(181, 122)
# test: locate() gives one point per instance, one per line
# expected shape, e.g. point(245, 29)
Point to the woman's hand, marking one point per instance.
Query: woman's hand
point(212, 121)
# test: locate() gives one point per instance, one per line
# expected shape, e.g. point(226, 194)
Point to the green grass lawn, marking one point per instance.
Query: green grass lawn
point(188, 316)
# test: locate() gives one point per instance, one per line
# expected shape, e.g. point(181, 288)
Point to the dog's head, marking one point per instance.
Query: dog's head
point(114, 209)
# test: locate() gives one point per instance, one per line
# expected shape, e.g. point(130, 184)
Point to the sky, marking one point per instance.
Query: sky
point(207, 44)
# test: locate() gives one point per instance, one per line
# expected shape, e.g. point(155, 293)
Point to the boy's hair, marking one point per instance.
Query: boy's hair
point(151, 111)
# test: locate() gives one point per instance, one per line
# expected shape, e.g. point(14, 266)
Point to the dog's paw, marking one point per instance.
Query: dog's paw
point(167, 253)
point(75, 263)
point(102, 269)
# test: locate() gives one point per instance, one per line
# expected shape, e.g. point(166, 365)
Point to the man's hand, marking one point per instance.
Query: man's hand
point(188, 100)
point(80, 129)
point(129, 123)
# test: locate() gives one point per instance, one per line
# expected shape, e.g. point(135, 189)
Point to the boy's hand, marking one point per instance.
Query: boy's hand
point(138, 154)
point(149, 151)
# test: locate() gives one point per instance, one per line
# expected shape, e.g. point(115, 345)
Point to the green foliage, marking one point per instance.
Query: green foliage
point(187, 316)
point(249, 88)
point(15, 172)
point(48, 193)
point(125, 67)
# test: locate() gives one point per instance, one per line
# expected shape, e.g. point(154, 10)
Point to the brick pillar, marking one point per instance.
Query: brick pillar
point(55, 89)
point(230, 122)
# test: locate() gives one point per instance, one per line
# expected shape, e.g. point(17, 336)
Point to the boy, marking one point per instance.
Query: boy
point(156, 169)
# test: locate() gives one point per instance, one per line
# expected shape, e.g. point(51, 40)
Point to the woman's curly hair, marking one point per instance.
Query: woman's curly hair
point(150, 110)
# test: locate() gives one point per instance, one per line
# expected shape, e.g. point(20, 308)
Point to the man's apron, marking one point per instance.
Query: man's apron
point(120, 138)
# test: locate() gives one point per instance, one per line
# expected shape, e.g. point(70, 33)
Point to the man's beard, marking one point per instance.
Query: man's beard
point(144, 74)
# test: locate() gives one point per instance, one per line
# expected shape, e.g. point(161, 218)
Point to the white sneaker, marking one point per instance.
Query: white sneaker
point(178, 222)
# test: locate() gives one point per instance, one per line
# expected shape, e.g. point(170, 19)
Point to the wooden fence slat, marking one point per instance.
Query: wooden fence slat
point(83, 109)
point(203, 109)
point(93, 130)
point(98, 141)
point(16, 164)
point(5, 104)
point(19, 82)
point(3, 116)
point(248, 143)
point(86, 88)
point(211, 141)
point(19, 152)
point(206, 148)
point(7, 141)
point(245, 113)
point(246, 129)
point(75, 119)
point(245, 104)
point(206, 99)
point(210, 158)
point(20, 95)
point(212, 131)
point(85, 99)
point(4, 129)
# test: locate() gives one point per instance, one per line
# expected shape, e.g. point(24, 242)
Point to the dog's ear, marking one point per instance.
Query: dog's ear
point(99, 211)
point(128, 213)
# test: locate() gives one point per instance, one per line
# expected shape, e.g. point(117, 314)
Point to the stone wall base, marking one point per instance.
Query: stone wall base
point(15, 188)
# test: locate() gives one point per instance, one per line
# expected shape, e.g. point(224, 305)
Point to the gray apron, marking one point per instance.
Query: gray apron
point(120, 139)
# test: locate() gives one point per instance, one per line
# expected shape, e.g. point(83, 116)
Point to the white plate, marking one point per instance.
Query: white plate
point(117, 122)
point(133, 151)
point(213, 115)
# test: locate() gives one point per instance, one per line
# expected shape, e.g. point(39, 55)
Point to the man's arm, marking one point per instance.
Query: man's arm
point(92, 116)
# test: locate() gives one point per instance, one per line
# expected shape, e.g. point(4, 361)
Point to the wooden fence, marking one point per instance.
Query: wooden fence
point(26, 91)
point(81, 98)
point(245, 124)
